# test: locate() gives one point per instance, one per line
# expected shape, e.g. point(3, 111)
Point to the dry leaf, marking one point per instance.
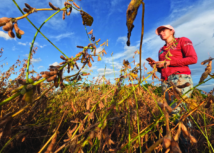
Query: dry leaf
point(130, 16)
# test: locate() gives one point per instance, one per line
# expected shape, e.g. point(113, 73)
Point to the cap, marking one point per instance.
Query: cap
point(164, 26)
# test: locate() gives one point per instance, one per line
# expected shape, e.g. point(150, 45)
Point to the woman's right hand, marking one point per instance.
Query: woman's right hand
point(152, 64)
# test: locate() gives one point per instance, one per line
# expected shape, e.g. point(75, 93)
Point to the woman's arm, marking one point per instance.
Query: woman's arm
point(190, 56)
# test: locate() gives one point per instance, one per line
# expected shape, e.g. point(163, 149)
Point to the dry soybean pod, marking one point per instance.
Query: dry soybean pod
point(11, 34)
point(91, 58)
point(47, 72)
point(186, 133)
point(7, 129)
point(69, 67)
point(206, 61)
point(28, 6)
point(26, 10)
point(38, 77)
point(45, 76)
point(50, 147)
point(79, 47)
point(63, 15)
point(53, 72)
point(8, 26)
point(62, 63)
point(98, 40)
point(175, 147)
point(60, 76)
point(94, 49)
point(56, 84)
point(51, 69)
point(51, 78)
point(204, 76)
point(21, 81)
point(166, 143)
point(38, 89)
point(3, 21)
point(52, 6)
point(76, 65)
point(76, 5)
point(17, 30)
point(90, 32)
point(62, 57)
point(70, 10)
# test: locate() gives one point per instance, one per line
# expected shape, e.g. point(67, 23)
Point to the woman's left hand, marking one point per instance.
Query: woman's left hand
point(160, 64)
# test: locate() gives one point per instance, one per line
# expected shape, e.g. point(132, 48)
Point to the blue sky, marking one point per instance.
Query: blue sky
point(191, 18)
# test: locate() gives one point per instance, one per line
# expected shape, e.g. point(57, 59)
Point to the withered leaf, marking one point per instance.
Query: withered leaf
point(130, 16)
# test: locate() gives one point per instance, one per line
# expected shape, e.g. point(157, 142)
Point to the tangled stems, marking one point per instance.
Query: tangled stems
point(42, 9)
point(29, 56)
point(38, 30)
point(20, 111)
point(34, 84)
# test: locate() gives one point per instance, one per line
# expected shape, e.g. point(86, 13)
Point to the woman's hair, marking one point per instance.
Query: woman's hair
point(173, 33)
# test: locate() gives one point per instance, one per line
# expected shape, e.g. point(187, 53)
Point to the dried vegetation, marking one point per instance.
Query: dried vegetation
point(102, 117)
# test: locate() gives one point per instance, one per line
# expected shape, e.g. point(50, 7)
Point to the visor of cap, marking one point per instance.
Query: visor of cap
point(164, 26)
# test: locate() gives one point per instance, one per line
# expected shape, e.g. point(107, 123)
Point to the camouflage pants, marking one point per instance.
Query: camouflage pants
point(179, 79)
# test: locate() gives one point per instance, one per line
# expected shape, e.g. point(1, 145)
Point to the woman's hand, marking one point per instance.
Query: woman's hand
point(151, 64)
point(160, 64)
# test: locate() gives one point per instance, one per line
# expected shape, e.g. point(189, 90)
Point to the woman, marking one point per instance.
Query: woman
point(174, 58)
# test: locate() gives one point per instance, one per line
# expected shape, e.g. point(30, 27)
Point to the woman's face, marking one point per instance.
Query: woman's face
point(165, 33)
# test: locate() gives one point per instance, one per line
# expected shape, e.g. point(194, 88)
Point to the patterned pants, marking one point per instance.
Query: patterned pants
point(178, 79)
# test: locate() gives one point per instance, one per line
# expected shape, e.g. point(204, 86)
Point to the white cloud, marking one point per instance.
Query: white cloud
point(61, 36)
point(100, 79)
point(36, 60)
point(122, 39)
point(128, 51)
point(106, 72)
point(42, 46)
point(37, 44)
point(56, 22)
point(26, 55)
point(24, 44)
point(40, 67)
point(179, 7)
point(88, 69)
point(206, 87)
point(4, 35)
point(114, 7)
point(14, 48)
point(100, 48)
point(54, 64)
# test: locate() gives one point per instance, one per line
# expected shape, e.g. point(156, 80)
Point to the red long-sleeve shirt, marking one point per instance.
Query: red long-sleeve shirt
point(182, 55)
